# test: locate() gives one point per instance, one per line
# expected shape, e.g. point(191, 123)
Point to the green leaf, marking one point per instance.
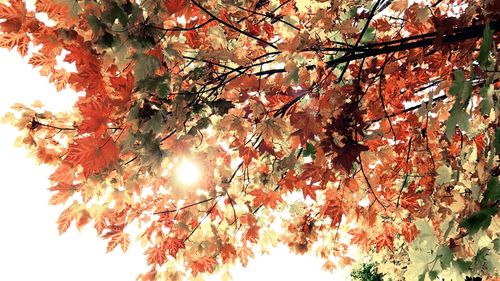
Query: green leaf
point(444, 175)
point(496, 142)
point(464, 266)
point(479, 220)
point(484, 51)
point(310, 151)
point(461, 88)
point(426, 240)
point(492, 262)
point(163, 90)
point(369, 35)
point(134, 111)
point(145, 65)
point(479, 259)
point(433, 274)
point(115, 12)
point(487, 102)
point(492, 191)
point(94, 23)
point(458, 117)
point(221, 106)
point(155, 124)
point(445, 256)
point(496, 244)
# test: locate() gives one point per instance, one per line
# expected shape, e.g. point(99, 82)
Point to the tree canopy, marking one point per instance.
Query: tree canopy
point(318, 124)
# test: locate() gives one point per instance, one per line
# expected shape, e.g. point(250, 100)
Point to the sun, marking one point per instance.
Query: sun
point(187, 172)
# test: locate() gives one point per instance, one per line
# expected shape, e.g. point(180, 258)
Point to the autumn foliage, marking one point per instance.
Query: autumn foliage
point(318, 124)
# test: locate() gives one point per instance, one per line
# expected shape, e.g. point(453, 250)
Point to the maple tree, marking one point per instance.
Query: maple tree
point(317, 124)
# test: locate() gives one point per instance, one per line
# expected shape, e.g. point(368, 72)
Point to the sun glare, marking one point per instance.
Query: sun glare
point(187, 172)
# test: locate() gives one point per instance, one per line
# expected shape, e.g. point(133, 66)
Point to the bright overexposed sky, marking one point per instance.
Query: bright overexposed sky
point(30, 246)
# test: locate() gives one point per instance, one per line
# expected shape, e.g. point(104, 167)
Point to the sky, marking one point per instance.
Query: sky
point(30, 245)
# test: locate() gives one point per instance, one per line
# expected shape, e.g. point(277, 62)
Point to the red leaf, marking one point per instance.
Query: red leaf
point(156, 255)
point(173, 245)
point(93, 154)
point(247, 153)
point(359, 237)
point(228, 253)
point(386, 238)
point(63, 174)
point(307, 126)
point(333, 207)
point(253, 28)
point(205, 264)
point(408, 230)
point(120, 238)
point(95, 111)
point(267, 199)
point(174, 6)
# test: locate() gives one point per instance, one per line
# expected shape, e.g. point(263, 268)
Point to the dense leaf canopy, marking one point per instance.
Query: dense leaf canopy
point(318, 124)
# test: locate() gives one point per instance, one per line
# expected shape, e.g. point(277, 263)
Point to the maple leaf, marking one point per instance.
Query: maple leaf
point(96, 111)
point(267, 199)
point(16, 9)
point(333, 209)
point(93, 154)
point(307, 126)
point(399, 5)
point(211, 81)
point(173, 245)
point(67, 216)
point(205, 264)
point(174, 6)
point(247, 153)
point(386, 238)
point(244, 254)
point(60, 198)
point(348, 154)
point(252, 234)
point(120, 238)
point(228, 253)
point(273, 129)
point(360, 238)
point(11, 40)
point(156, 255)
point(408, 230)
point(63, 174)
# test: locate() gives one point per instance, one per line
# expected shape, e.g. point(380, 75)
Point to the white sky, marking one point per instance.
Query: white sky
point(30, 246)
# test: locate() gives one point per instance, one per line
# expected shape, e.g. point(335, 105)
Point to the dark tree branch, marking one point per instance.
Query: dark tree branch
point(188, 206)
point(414, 42)
point(232, 26)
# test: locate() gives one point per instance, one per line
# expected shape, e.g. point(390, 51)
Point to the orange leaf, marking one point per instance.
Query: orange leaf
point(93, 154)
point(173, 245)
point(156, 255)
point(95, 111)
point(174, 6)
point(67, 216)
point(408, 230)
point(228, 253)
point(63, 174)
point(205, 264)
point(247, 153)
point(267, 199)
point(15, 10)
point(120, 238)
point(386, 238)
point(244, 253)
point(333, 208)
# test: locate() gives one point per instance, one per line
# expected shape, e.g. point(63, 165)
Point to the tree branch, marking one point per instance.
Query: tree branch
point(232, 26)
